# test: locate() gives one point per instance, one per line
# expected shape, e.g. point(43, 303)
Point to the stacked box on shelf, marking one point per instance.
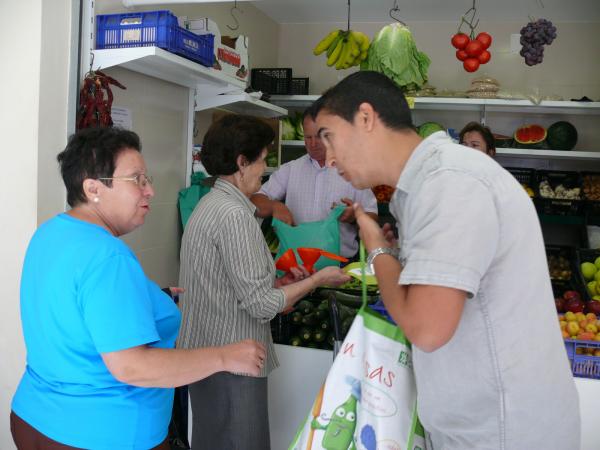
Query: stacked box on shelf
point(274, 81)
point(153, 28)
point(567, 188)
point(562, 261)
point(299, 86)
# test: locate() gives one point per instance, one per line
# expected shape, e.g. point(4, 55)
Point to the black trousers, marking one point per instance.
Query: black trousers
point(230, 412)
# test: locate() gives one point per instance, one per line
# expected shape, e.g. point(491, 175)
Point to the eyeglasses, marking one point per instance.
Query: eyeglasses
point(141, 179)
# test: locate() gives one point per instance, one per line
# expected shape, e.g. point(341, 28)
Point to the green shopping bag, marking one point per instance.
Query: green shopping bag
point(189, 197)
point(323, 234)
point(369, 399)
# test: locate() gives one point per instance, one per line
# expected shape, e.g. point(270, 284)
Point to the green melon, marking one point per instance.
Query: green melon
point(562, 136)
point(428, 128)
point(502, 141)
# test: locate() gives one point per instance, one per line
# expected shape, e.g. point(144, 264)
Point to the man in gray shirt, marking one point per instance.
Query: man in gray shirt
point(468, 282)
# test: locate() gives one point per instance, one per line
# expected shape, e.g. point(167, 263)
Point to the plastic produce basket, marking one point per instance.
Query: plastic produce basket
point(153, 28)
point(562, 262)
point(299, 86)
point(558, 206)
point(523, 175)
point(591, 194)
point(581, 355)
point(585, 255)
point(272, 81)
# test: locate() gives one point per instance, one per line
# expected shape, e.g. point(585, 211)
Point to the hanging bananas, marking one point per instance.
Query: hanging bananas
point(343, 49)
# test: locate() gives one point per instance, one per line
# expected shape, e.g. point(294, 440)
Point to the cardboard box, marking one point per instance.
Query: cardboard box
point(231, 53)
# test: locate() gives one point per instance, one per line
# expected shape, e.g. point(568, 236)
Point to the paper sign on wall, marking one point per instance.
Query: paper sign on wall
point(121, 117)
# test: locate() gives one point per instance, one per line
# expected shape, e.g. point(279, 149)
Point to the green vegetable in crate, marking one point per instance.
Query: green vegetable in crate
point(299, 126)
point(305, 334)
point(428, 128)
point(288, 129)
point(561, 136)
point(295, 341)
point(319, 335)
point(296, 318)
point(321, 313)
point(330, 339)
point(394, 53)
point(310, 319)
point(304, 306)
point(325, 326)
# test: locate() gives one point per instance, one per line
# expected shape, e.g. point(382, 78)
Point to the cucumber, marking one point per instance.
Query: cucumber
point(304, 306)
point(296, 318)
point(295, 341)
point(305, 334)
point(319, 336)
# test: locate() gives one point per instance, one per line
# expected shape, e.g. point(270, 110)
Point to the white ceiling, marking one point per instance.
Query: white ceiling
point(327, 11)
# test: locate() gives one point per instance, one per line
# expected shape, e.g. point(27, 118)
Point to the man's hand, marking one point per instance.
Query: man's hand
point(369, 231)
point(281, 212)
point(295, 274)
point(388, 233)
point(348, 214)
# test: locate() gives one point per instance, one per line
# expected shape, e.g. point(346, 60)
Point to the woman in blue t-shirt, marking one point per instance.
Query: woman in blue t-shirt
point(101, 366)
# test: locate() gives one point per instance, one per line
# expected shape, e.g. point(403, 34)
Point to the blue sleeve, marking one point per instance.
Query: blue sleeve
point(116, 305)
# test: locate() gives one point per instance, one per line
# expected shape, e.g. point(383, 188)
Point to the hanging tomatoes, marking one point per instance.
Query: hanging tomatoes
point(472, 51)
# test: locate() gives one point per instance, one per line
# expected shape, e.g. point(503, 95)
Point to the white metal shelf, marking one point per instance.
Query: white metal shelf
point(241, 104)
point(292, 143)
point(469, 104)
point(161, 64)
point(548, 154)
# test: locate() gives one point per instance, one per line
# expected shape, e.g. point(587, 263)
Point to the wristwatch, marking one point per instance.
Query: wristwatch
point(395, 252)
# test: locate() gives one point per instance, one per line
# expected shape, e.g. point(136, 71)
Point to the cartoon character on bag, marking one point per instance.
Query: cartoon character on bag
point(339, 432)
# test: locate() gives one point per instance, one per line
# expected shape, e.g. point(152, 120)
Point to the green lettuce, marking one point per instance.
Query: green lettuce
point(288, 129)
point(394, 53)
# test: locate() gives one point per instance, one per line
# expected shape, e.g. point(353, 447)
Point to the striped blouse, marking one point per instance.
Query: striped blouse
point(228, 275)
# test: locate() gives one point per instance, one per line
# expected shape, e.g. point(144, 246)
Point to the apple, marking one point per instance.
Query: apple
point(571, 294)
point(597, 262)
point(592, 288)
point(588, 270)
point(560, 304)
point(572, 328)
point(574, 305)
point(593, 306)
point(570, 316)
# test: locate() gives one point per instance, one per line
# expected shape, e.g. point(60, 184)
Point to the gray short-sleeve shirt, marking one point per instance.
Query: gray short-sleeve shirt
point(503, 380)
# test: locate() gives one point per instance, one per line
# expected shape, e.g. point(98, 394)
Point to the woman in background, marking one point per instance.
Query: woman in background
point(99, 333)
point(231, 291)
point(479, 137)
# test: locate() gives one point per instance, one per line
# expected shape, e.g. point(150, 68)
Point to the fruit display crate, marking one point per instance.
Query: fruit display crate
point(583, 359)
point(562, 263)
point(274, 81)
point(586, 256)
point(153, 29)
point(558, 206)
point(591, 193)
point(523, 175)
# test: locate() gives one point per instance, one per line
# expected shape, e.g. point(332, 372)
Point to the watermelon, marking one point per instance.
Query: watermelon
point(502, 141)
point(428, 128)
point(562, 136)
point(530, 136)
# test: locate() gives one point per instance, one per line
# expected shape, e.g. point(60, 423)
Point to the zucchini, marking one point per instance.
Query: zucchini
point(324, 326)
point(305, 334)
point(295, 341)
point(304, 306)
point(309, 319)
point(321, 314)
point(319, 335)
point(296, 318)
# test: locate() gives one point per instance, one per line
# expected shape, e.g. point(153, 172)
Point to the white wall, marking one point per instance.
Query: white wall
point(29, 111)
point(570, 68)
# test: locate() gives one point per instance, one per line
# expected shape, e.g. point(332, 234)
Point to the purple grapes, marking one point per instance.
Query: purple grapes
point(534, 36)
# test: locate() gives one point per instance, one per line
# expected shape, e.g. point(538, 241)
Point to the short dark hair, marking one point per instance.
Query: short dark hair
point(311, 112)
point(92, 153)
point(486, 134)
point(371, 87)
point(231, 136)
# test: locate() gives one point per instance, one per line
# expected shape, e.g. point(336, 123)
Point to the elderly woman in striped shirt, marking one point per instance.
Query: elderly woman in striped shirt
point(231, 291)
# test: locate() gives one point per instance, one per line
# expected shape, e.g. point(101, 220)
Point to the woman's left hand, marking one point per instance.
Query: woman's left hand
point(294, 275)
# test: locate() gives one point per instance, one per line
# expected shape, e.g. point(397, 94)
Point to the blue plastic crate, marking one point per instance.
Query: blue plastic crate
point(197, 47)
point(583, 365)
point(140, 29)
point(156, 29)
